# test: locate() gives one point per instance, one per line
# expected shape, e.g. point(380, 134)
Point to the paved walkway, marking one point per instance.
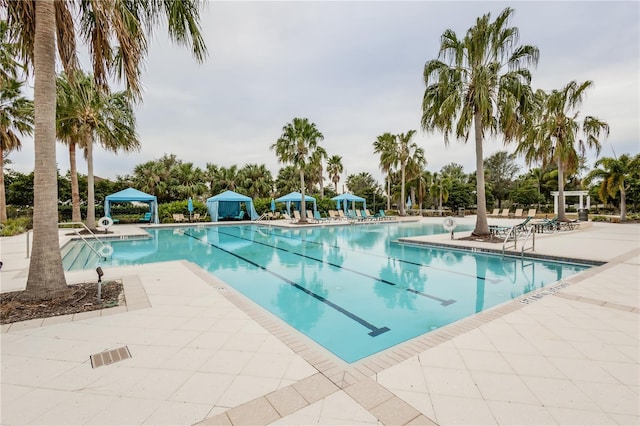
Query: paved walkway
point(202, 353)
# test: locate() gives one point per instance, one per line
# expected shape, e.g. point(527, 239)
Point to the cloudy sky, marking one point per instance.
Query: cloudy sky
point(355, 69)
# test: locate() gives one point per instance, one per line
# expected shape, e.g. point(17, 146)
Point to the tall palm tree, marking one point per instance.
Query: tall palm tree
point(335, 169)
point(315, 166)
point(406, 150)
point(480, 81)
point(385, 145)
point(39, 25)
point(551, 132)
point(611, 172)
point(439, 189)
point(9, 66)
point(296, 145)
point(16, 119)
point(90, 113)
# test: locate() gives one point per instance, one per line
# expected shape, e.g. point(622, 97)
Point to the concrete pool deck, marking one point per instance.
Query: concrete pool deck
point(202, 353)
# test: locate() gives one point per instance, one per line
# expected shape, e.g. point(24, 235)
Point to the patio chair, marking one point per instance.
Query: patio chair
point(382, 215)
point(496, 212)
point(333, 215)
point(146, 218)
point(240, 215)
point(286, 216)
point(505, 213)
point(518, 213)
point(319, 218)
point(296, 215)
point(531, 213)
point(367, 214)
point(310, 216)
point(342, 215)
point(196, 217)
point(178, 217)
point(114, 220)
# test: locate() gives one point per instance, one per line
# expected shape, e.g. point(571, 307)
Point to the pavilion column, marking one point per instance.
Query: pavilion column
point(555, 204)
point(580, 202)
point(588, 202)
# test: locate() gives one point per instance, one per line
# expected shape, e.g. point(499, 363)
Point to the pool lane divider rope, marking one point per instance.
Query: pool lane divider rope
point(375, 331)
point(443, 302)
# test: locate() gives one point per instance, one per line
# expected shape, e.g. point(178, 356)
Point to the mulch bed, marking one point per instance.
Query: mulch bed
point(80, 298)
point(483, 239)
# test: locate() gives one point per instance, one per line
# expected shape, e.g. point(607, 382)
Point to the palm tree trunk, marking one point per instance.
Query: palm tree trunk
point(3, 198)
point(482, 226)
point(76, 216)
point(321, 183)
point(562, 216)
point(303, 204)
point(389, 190)
point(46, 277)
point(623, 203)
point(91, 202)
point(402, 213)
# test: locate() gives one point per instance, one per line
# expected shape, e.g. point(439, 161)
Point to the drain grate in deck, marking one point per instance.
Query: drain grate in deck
point(109, 357)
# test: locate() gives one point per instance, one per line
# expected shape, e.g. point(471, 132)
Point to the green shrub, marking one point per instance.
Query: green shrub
point(16, 226)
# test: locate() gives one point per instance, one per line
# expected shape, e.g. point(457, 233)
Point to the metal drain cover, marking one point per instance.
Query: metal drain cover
point(109, 357)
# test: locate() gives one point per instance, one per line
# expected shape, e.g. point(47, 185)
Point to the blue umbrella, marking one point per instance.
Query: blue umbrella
point(273, 205)
point(190, 205)
point(409, 202)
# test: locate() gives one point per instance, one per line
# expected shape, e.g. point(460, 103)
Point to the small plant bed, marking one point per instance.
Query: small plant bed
point(80, 298)
point(483, 238)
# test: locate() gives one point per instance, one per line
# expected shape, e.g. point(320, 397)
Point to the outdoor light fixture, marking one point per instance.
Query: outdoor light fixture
point(100, 274)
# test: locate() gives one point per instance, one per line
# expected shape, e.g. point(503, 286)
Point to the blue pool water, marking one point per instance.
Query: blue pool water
point(352, 289)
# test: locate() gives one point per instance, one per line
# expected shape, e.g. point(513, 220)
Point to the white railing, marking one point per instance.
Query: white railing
point(530, 232)
point(512, 230)
point(75, 230)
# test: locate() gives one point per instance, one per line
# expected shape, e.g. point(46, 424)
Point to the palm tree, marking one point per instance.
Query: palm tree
point(439, 189)
point(39, 25)
point(406, 150)
point(551, 132)
point(87, 113)
point(227, 178)
point(16, 118)
point(188, 180)
point(612, 173)
point(335, 169)
point(296, 145)
point(315, 167)
point(385, 145)
point(474, 88)
point(256, 181)
point(151, 177)
point(210, 175)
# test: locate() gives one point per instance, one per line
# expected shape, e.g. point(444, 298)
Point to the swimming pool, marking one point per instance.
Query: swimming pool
point(352, 289)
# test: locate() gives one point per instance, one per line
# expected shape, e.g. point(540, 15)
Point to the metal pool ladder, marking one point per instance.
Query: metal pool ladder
point(530, 233)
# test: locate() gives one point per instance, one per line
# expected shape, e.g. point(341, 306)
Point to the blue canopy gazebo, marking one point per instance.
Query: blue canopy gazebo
point(347, 197)
point(130, 195)
point(228, 204)
point(296, 197)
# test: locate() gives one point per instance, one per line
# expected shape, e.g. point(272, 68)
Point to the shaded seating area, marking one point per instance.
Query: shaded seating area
point(295, 198)
point(133, 195)
point(228, 206)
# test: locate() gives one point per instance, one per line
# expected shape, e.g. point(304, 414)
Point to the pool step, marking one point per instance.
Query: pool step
point(79, 257)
